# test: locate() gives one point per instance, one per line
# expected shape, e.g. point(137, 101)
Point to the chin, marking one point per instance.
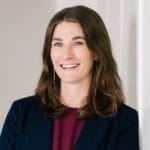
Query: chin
point(69, 81)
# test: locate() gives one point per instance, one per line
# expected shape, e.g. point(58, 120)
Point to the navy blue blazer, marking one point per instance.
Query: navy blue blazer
point(27, 128)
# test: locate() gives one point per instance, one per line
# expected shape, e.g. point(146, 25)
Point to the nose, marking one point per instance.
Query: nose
point(67, 52)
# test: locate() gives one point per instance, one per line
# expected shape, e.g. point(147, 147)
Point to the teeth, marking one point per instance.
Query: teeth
point(69, 66)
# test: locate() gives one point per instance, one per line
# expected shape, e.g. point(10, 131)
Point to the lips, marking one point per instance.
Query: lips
point(69, 66)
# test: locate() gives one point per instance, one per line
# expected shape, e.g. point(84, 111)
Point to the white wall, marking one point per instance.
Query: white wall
point(144, 72)
point(22, 30)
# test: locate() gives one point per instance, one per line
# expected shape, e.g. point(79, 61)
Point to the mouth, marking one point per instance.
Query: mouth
point(69, 66)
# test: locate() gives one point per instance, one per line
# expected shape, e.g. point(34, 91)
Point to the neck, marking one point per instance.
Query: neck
point(74, 95)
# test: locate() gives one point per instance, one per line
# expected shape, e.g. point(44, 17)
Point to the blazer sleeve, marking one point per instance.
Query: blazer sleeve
point(9, 131)
point(129, 137)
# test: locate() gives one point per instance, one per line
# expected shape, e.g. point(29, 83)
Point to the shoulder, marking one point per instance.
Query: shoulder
point(25, 102)
point(125, 128)
point(23, 106)
point(22, 116)
point(126, 113)
point(21, 113)
point(125, 117)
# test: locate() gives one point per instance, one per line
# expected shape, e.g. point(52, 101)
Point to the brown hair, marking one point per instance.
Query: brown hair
point(105, 94)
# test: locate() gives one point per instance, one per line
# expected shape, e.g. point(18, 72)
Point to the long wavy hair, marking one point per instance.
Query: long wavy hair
point(105, 93)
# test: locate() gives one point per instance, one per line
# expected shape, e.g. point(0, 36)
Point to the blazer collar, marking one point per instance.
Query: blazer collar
point(92, 133)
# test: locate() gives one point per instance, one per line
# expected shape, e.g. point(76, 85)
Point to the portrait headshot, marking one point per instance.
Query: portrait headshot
point(85, 93)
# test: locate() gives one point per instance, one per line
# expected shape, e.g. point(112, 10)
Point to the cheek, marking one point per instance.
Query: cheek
point(89, 61)
point(55, 59)
point(87, 58)
point(53, 56)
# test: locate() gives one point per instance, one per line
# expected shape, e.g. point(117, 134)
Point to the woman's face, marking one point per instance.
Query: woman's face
point(70, 55)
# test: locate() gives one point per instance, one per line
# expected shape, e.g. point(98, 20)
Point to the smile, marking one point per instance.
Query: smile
point(69, 66)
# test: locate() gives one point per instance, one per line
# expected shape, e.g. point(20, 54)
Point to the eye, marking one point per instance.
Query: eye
point(57, 44)
point(78, 43)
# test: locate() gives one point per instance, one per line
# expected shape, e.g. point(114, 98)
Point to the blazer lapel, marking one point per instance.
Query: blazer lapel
point(92, 133)
point(41, 132)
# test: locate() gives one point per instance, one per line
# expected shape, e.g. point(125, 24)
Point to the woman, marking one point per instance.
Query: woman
point(78, 103)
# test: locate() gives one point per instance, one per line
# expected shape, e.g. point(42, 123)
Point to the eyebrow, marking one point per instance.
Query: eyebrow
point(78, 37)
point(74, 38)
point(56, 39)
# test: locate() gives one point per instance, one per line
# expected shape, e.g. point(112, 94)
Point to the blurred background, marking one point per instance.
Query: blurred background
point(22, 30)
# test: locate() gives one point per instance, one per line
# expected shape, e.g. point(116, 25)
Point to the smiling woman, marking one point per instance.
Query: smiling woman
point(78, 103)
point(72, 61)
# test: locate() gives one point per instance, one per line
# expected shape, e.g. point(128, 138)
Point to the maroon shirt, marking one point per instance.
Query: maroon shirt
point(66, 130)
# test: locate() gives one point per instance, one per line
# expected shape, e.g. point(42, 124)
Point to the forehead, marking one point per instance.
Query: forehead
point(67, 28)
